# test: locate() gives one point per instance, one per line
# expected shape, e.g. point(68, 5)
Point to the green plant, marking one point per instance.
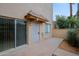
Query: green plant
point(71, 37)
point(77, 23)
point(60, 22)
point(71, 22)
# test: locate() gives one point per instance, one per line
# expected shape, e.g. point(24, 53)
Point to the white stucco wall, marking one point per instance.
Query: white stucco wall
point(18, 10)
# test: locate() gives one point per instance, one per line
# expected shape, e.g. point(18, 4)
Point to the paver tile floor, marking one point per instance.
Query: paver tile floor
point(42, 48)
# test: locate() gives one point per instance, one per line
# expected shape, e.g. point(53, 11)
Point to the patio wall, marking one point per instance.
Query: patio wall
point(60, 33)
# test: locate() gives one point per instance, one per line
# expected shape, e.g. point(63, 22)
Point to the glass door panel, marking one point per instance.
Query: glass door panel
point(20, 32)
point(7, 34)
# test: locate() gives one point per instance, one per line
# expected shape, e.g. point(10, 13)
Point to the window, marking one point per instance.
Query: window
point(47, 28)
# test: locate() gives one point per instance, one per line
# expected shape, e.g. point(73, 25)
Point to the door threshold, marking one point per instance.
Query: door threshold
point(12, 49)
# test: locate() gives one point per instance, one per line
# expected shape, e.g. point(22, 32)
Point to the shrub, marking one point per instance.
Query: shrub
point(77, 23)
point(72, 39)
point(69, 22)
point(60, 22)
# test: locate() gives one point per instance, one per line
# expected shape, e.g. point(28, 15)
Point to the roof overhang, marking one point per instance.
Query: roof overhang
point(32, 17)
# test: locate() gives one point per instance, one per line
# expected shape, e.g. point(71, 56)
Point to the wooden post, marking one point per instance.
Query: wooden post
point(70, 9)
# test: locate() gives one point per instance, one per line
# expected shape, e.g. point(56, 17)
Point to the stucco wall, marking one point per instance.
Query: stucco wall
point(60, 33)
point(19, 10)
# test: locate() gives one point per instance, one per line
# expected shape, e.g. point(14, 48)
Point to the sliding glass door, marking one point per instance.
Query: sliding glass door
point(7, 34)
point(20, 32)
point(12, 33)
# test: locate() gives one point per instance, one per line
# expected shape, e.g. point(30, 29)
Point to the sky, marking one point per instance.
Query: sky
point(63, 9)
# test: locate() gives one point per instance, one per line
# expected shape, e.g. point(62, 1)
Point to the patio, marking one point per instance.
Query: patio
point(43, 48)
